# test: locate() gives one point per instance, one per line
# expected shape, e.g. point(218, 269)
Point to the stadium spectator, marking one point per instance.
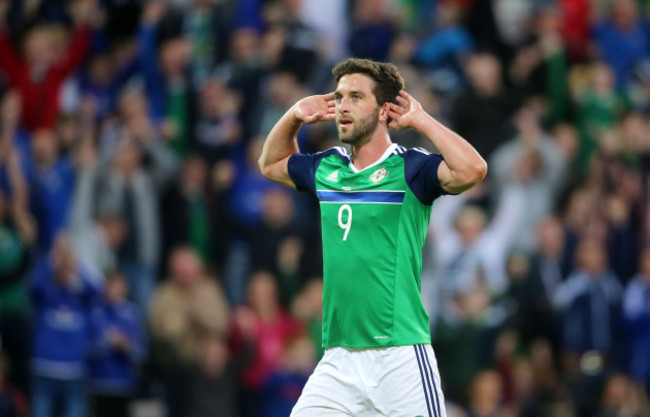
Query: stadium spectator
point(576, 27)
point(308, 308)
point(214, 379)
point(283, 90)
point(529, 396)
point(500, 26)
point(218, 128)
point(486, 397)
point(272, 327)
point(531, 158)
point(63, 294)
point(622, 39)
point(481, 113)
point(373, 30)
point(279, 243)
point(51, 180)
point(445, 49)
point(96, 238)
point(286, 382)
point(331, 21)
point(18, 236)
point(540, 69)
point(163, 69)
point(589, 302)
point(39, 73)
point(620, 398)
point(599, 106)
point(185, 308)
point(636, 312)
point(299, 54)
point(463, 324)
point(206, 25)
point(118, 347)
point(547, 270)
point(245, 70)
point(470, 252)
point(186, 202)
point(104, 76)
point(128, 185)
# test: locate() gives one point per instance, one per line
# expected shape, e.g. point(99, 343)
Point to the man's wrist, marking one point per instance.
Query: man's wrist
point(421, 121)
point(295, 118)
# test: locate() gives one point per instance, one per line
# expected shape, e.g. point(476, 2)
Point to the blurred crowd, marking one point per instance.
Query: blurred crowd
point(147, 268)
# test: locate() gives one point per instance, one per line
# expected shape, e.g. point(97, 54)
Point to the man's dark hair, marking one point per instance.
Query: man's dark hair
point(387, 78)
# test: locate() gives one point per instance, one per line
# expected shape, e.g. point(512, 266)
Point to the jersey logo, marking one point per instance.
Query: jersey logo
point(378, 175)
point(334, 177)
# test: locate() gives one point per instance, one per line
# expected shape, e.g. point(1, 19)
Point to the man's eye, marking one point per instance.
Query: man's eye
point(356, 97)
point(338, 99)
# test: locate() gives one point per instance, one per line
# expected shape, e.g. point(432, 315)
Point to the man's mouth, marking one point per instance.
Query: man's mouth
point(345, 122)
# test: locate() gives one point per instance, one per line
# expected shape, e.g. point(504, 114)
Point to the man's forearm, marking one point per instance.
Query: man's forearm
point(465, 163)
point(281, 141)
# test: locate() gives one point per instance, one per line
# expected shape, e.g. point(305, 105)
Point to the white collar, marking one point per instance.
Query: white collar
point(381, 159)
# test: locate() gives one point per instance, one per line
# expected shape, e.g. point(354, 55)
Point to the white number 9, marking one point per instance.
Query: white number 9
point(348, 224)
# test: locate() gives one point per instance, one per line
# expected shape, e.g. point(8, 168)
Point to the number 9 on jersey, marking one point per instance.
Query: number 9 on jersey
point(348, 223)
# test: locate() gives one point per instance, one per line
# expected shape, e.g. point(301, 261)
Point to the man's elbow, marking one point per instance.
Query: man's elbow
point(265, 168)
point(475, 174)
point(481, 170)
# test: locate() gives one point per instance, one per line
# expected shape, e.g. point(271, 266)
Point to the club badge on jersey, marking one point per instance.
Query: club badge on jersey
point(378, 175)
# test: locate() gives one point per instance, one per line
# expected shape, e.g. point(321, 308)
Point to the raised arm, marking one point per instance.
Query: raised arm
point(10, 62)
point(148, 58)
point(462, 167)
point(282, 142)
point(84, 14)
point(9, 119)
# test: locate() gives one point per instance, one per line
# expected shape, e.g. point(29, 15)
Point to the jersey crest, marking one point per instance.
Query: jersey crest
point(378, 175)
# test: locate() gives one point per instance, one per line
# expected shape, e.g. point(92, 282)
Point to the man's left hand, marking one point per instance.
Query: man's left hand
point(405, 113)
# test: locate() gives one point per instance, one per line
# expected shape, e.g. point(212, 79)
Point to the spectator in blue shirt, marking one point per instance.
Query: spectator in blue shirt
point(286, 383)
point(445, 48)
point(62, 294)
point(103, 79)
point(588, 301)
point(118, 348)
point(623, 40)
point(373, 31)
point(51, 179)
point(636, 311)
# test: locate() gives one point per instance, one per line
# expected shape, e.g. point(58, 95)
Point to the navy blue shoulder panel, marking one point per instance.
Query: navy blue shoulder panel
point(421, 173)
point(302, 167)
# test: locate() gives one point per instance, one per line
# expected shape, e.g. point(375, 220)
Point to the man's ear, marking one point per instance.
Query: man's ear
point(383, 112)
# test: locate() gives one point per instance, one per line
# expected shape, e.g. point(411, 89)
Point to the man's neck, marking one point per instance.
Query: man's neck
point(366, 154)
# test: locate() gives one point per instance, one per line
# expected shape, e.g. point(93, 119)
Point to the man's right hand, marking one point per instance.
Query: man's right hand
point(281, 143)
point(319, 108)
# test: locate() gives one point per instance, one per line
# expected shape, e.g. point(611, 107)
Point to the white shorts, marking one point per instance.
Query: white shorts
point(398, 381)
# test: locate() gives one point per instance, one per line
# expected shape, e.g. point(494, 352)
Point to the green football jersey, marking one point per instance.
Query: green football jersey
point(374, 223)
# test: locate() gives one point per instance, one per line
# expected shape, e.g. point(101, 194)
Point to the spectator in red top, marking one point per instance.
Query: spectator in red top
point(39, 73)
point(576, 27)
point(264, 322)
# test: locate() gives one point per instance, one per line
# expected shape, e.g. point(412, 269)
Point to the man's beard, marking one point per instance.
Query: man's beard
point(361, 131)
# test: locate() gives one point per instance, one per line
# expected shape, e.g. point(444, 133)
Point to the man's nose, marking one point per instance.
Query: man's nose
point(343, 105)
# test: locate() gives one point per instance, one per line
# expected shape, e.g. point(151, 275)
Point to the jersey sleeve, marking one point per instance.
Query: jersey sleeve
point(421, 172)
point(302, 170)
point(302, 167)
